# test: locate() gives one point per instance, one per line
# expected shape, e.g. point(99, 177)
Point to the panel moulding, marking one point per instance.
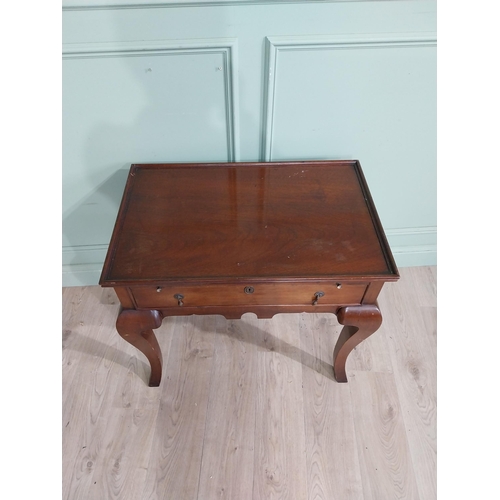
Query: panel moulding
point(227, 47)
point(277, 45)
point(71, 5)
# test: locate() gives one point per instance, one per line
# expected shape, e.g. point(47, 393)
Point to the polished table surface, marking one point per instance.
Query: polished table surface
point(231, 238)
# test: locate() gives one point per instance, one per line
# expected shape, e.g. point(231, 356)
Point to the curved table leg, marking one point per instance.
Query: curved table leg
point(136, 327)
point(360, 322)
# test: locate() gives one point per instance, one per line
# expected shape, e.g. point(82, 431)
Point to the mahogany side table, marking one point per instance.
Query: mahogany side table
point(231, 238)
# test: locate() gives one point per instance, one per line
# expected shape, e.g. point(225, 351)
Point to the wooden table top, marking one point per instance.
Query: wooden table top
point(251, 221)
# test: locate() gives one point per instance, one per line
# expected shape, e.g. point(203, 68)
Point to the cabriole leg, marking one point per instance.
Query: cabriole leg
point(136, 327)
point(360, 322)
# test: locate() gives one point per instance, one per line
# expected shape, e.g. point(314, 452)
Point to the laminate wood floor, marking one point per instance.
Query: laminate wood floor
point(248, 409)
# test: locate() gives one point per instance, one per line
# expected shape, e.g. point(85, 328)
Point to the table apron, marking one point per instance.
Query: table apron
point(263, 294)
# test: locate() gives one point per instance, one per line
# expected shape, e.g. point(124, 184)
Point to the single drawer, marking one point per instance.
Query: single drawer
point(310, 293)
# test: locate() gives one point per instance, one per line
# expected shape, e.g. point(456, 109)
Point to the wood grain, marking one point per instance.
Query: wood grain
point(386, 466)
point(280, 226)
point(412, 346)
point(249, 408)
point(331, 454)
point(264, 293)
point(174, 465)
point(122, 475)
point(88, 362)
point(279, 423)
point(227, 469)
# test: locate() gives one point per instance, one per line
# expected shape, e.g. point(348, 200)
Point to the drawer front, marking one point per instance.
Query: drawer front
point(255, 294)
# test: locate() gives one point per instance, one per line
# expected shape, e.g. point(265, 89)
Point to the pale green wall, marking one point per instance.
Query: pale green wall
point(242, 80)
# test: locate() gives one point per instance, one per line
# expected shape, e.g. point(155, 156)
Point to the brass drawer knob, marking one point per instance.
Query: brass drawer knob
point(158, 289)
point(179, 298)
point(317, 295)
point(339, 285)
